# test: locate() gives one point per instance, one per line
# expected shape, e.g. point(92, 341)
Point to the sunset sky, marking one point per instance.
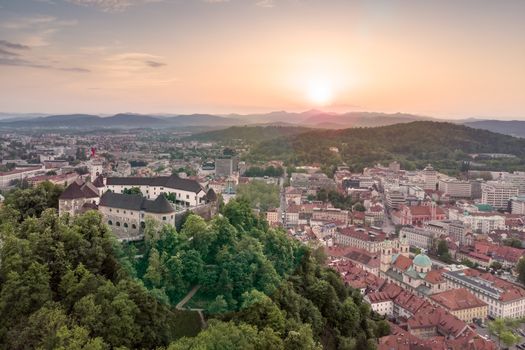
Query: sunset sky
point(441, 58)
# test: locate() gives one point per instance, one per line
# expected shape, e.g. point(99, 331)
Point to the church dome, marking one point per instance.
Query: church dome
point(422, 260)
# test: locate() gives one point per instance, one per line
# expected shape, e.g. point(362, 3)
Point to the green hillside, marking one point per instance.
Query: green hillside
point(248, 134)
point(414, 144)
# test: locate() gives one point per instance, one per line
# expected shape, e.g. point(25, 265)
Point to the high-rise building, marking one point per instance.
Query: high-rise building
point(429, 178)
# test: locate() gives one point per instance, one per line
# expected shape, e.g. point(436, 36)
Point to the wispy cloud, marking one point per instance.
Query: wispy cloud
point(35, 30)
point(155, 64)
point(134, 61)
point(15, 46)
point(19, 55)
point(266, 3)
point(111, 5)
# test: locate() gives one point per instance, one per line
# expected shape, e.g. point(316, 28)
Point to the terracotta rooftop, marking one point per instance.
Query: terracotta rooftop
point(457, 299)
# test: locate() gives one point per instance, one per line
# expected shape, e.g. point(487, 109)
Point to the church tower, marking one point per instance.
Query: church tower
point(404, 247)
point(386, 256)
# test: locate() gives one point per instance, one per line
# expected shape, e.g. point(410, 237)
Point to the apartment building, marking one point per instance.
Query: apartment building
point(498, 193)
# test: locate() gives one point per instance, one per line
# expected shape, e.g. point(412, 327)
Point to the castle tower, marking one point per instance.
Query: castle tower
point(386, 256)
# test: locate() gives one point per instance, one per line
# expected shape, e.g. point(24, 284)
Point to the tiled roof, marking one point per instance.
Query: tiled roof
point(79, 189)
point(457, 299)
point(136, 202)
point(172, 181)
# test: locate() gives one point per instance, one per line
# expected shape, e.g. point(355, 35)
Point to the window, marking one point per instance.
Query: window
point(124, 212)
point(110, 209)
point(164, 218)
point(142, 224)
point(117, 223)
point(187, 196)
point(110, 222)
point(118, 211)
point(133, 226)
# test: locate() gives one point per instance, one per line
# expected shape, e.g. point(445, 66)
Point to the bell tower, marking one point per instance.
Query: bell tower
point(404, 247)
point(386, 256)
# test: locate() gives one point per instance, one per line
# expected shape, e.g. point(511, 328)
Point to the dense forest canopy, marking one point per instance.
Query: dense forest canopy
point(66, 283)
point(448, 146)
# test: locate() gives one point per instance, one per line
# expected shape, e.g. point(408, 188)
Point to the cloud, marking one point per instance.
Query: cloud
point(35, 30)
point(4, 52)
point(134, 61)
point(155, 64)
point(15, 46)
point(266, 3)
point(27, 22)
point(18, 55)
point(111, 5)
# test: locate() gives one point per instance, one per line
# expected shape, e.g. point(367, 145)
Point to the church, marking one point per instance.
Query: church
point(412, 274)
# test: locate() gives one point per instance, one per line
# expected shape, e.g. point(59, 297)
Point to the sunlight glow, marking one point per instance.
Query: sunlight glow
point(320, 92)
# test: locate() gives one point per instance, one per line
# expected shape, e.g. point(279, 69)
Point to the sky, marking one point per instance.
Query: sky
point(446, 58)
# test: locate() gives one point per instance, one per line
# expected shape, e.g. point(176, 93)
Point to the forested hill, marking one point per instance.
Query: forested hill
point(249, 134)
point(413, 144)
point(66, 283)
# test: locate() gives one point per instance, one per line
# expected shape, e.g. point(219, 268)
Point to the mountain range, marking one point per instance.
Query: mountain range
point(310, 119)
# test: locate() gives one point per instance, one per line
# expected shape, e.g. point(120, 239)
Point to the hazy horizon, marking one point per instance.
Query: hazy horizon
point(450, 60)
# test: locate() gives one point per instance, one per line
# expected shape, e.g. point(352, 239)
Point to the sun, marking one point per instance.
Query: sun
point(320, 92)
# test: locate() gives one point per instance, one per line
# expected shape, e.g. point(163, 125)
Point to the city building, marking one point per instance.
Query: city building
point(504, 299)
point(462, 304)
point(455, 188)
point(498, 193)
point(8, 178)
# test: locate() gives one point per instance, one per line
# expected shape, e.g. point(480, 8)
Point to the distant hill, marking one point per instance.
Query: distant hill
point(508, 127)
point(122, 120)
point(249, 134)
point(328, 120)
point(414, 144)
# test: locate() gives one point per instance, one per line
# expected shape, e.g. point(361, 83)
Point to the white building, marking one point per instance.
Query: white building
point(498, 193)
point(187, 192)
point(455, 188)
point(7, 177)
point(505, 300)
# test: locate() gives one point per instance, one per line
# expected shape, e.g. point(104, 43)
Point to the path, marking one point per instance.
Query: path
point(191, 293)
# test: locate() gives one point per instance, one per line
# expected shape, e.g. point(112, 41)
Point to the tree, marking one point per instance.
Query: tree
point(496, 265)
point(442, 251)
point(513, 242)
point(259, 194)
point(520, 268)
point(154, 272)
point(228, 335)
point(219, 305)
point(34, 200)
point(301, 339)
point(132, 190)
point(508, 338)
point(359, 207)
